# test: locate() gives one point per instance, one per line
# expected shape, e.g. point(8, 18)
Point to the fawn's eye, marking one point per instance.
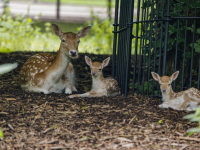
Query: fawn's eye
point(169, 84)
point(78, 41)
point(99, 69)
point(63, 41)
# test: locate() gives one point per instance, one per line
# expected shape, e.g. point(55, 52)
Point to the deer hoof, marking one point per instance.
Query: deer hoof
point(71, 96)
point(68, 91)
point(163, 105)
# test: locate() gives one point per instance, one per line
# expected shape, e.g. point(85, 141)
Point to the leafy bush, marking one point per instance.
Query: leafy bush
point(194, 118)
point(20, 34)
point(100, 38)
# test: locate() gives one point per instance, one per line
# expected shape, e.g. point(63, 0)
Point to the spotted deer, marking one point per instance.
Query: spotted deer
point(100, 86)
point(47, 73)
point(184, 100)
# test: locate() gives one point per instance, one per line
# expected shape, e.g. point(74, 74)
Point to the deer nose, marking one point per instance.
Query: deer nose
point(73, 53)
point(164, 90)
point(93, 73)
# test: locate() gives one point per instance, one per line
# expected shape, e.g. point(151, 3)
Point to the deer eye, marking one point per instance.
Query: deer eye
point(99, 69)
point(169, 84)
point(78, 41)
point(63, 41)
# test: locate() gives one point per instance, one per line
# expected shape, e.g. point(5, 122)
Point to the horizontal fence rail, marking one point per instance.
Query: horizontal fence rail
point(163, 37)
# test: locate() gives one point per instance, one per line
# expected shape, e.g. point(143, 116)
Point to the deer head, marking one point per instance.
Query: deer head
point(70, 41)
point(96, 67)
point(165, 81)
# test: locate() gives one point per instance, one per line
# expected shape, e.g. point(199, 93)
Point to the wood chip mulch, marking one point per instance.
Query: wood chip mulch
point(37, 121)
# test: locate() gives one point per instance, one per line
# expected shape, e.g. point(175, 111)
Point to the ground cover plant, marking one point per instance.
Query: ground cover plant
point(37, 121)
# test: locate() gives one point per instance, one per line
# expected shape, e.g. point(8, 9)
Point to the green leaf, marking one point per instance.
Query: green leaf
point(198, 30)
point(1, 133)
point(194, 130)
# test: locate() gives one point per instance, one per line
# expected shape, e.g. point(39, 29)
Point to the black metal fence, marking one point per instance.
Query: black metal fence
point(164, 36)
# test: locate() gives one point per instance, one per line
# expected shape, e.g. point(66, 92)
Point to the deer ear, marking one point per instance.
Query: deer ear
point(105, 62)
point(88, 61)
point(84, 31)
point(155, 76)
point(57, 30)
point(174, 75)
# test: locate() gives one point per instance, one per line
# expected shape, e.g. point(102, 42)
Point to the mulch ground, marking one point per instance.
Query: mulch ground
point(37, 121)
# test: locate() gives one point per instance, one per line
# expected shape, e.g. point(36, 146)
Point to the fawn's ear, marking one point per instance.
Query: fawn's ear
point(88, 61)
point(84, 31)
point(57, 30)
point(174, 76)
point(155, 76)
point(105, 62)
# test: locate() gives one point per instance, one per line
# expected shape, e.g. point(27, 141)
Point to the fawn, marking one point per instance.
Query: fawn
point(100, 86)
point(49, 73)
point(184, 100)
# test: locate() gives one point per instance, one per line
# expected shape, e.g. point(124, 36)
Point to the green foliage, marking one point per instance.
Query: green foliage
point(145, 88)
point(197, 44)
point(1, 134)
point(156, 31)
point(100, 38)
point(20, 34)
point(194, 118)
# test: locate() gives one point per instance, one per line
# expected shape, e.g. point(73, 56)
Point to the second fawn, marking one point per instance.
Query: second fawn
point(49, 73)
point(184, 100)
point(100, 86)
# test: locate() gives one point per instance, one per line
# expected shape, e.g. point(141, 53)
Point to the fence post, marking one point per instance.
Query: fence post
point(115, 38)
point(166, 36)
point(58, 9)
point(129, 43)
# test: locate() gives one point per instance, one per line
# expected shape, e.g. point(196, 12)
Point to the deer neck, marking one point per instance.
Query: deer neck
point(60, 64)
point(97, 82)
point(167, 96)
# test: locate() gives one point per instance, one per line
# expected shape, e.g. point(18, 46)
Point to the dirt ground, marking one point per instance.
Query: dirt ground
point(37, 121)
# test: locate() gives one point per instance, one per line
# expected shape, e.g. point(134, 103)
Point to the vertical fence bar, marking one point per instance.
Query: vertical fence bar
point(58, 9)
point(160, 50)
point(155, 48)
point(115, 38)
point(136, 45)
point(129, 43)
point(144, 65)
point(140, 53)
point(150, 46)
point(119, 57)
point(177, 35)
point(124, 54)
point(166, 36)
point(193, 39)
point(183, 72)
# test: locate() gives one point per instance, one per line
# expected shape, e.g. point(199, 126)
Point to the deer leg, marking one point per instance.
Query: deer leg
point(88, 94)
point(70, 75)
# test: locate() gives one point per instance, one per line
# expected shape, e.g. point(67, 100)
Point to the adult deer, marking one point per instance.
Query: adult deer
point(100, 86)
point(184, 100)
point(48, 73)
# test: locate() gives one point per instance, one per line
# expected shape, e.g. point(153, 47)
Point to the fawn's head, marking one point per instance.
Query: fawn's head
point(69, 40)
point(165, 81)
point(96, 67)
